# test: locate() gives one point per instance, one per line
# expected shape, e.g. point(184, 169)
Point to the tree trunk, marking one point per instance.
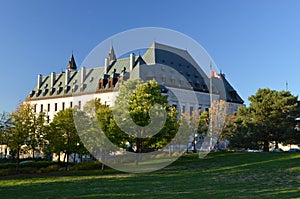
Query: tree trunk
point(276, 145)
point(32, 153)
point(138, 150)
point(5, 152)
point(266, 145)
point(67, 166)
point(103, 159)
point(17, 161)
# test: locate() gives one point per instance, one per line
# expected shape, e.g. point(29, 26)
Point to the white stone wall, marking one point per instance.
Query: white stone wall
point(106, 98)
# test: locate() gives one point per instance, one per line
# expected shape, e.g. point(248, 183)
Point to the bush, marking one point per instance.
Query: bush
point(8, 171)
point(50, 168)
point(162, 155)
point(87, 165)
point(7, 166)
point(28, 170)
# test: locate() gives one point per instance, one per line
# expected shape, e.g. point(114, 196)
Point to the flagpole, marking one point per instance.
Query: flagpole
point(210, 85)
point(210, 96)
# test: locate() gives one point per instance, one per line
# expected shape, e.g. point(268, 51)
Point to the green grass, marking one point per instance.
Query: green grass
point(219, 175)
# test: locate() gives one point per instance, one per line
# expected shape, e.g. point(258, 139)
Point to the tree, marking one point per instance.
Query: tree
point(63, 135)
point(143, 117)
point(22, 120)
point(269, 117)
point(36, 136)
point(5, 125)
point(94, 132)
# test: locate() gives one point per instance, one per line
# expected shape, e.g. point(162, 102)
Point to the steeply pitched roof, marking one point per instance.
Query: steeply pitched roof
point(72, 64)
point(111, 55)
point(159, 55)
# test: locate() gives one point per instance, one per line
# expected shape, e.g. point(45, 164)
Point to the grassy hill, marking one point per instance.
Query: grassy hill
point(218, 175)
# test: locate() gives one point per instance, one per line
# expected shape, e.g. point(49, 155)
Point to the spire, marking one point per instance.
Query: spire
point(72, 63)
point(111, 55)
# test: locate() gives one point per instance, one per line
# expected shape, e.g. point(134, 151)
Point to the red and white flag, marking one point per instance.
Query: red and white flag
point(214, 74)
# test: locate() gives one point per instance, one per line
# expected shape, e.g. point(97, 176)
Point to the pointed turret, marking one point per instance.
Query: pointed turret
point(72, 64)
point(111, 55)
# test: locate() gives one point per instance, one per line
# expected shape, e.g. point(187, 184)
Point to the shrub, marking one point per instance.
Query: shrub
point(51, 168)
point(28, 170)
point(8, 171)
point(87, 165)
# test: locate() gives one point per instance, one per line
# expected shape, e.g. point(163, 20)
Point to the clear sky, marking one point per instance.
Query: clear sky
point(256, 43)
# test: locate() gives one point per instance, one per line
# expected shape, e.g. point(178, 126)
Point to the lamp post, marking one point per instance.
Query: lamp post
point(195, 140)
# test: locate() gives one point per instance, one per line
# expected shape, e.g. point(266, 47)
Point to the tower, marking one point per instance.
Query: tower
point(72, 64)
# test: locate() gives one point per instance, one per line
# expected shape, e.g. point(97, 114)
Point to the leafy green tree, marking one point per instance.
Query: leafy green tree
point(36, 136)
point(5, 125)
point(97, 118)
point(270, 117)
point(23, 125)
point(63, 135)
point(203, 124)
point(142, 100)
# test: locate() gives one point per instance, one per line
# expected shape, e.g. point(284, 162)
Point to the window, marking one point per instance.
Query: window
point(71, 104)
point(34, 108)
point(48, 119)
point(63, 106)
point(79, 104)
point(55, 107)
point(183, 109)
point(191, 110)
point(173, 80)
point(48, 107)
point(200, 108)
point(42, 107)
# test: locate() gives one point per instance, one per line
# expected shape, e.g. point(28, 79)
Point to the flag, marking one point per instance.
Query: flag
point(214, 74)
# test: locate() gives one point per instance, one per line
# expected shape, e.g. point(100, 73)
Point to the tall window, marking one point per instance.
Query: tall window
point(42, 107)
point(183, 109)
point(200, 109)
point(79, 104)
point(63, 106)
point(55, 106)
point(71, 104)
point(191, 110)
point(34, 108)
point(48, 107)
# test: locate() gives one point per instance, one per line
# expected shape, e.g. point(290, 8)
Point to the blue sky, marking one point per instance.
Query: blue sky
point(256, 43)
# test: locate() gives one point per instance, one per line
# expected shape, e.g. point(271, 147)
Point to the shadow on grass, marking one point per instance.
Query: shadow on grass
point(219, 175)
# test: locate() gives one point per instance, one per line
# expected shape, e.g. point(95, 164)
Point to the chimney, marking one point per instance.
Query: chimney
point(52, 79)
point(39, 82)
point(82, 75)
point(131, 61)
point(67, 77)
point(106, 65)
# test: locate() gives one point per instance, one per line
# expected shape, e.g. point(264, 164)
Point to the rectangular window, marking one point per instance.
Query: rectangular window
point(55, 106)
point(63, 106)
point(71, 104)
point(34, 109)
point(191, 110)
point(200, 109)
point(183, 109)
point(42, 107)
point(48, 107)
point(79, 104)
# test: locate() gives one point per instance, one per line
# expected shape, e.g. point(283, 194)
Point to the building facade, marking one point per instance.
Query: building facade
point(174, 69)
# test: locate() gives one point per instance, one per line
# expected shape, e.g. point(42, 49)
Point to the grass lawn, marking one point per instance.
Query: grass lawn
point(218, 175)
